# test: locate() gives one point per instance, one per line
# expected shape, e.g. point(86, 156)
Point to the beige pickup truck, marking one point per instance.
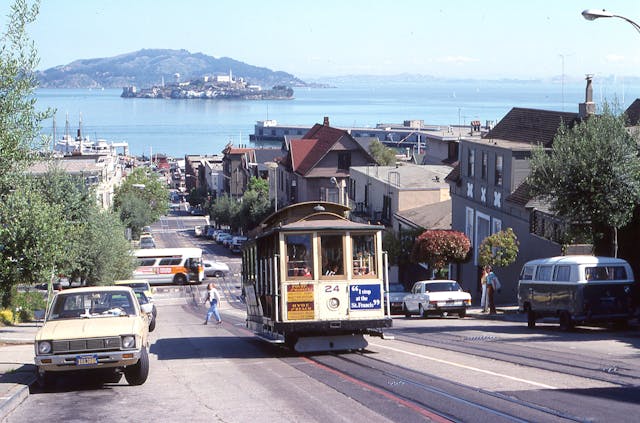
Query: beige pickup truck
point(102, 330)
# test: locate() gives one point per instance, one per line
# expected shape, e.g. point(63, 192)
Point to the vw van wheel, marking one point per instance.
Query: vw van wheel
point(152, 324)
point(462, 313)
point(566, 323)
point(531, 319)
point(180, 280)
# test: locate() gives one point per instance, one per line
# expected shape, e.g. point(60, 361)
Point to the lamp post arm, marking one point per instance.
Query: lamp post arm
point(635, 25)
point(593, 14)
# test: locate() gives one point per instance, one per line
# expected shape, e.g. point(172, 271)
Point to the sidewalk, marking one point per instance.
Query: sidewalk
point(17, 369)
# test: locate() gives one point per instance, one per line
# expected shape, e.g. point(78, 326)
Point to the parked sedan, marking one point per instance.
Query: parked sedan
point(439, 297)
point(215, 268)
point(396, 294)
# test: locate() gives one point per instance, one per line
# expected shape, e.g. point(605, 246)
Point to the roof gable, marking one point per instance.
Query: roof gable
point(531, 125)
point(633, 113)
point(300, 153)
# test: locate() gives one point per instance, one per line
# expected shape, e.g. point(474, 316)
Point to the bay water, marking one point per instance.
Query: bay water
point(180, 127)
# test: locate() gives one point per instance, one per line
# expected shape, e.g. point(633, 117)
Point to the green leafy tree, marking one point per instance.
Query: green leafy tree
point(141, 199)
point(399, 250)
point(439, 247)
point(32, 238)
point(499, 250)
point(382, 154)
point(20, 122)
point(105, 250)
point(223, 211)
point(256, 205)
point(591, 176)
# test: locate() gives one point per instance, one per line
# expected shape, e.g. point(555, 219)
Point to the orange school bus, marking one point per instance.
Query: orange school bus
point(315, 280)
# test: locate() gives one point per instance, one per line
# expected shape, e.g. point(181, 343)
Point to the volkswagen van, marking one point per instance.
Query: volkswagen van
point(576, 290)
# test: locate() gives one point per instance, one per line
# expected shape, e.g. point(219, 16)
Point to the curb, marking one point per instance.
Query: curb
point(18, 391)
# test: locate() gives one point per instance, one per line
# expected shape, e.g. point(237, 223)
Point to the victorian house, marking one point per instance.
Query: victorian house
point(488, 191)
point(316, 166)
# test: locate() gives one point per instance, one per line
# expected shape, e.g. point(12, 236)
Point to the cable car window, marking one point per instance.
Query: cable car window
point(299, 256)
point(332, 255)
point(364, 255)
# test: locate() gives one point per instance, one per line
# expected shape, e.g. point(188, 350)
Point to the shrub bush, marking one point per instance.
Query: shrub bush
point(6, 316)
point(24, 303)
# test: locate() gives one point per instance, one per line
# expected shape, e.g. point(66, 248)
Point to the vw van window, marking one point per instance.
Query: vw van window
point(562, 273)
point(544, 273)
point(604, 273)
point(527, 273)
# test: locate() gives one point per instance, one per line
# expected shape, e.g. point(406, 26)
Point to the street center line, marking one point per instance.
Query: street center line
point(475, 369)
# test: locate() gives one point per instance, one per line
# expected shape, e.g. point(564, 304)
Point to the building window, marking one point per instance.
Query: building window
point(496, 225)
point(344, 160)
point(498, 175)
point(386, 208)
point(471, 161)
point(485, 163)
point(468, 227)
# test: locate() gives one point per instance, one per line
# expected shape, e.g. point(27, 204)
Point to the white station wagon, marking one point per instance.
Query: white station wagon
point(101, 328)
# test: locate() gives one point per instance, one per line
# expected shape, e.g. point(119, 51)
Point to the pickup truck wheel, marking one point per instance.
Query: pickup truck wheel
point(138, 373)
point(218, 274)
point(462, 313)
point(566, 322)
point(152, 324)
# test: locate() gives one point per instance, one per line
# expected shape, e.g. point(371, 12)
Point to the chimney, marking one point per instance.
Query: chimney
point(587, 108)
point(326, 121)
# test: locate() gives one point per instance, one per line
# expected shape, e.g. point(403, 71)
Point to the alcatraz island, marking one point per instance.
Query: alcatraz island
point(218, 87)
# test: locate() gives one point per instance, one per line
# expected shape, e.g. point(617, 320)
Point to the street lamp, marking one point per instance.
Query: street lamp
point(593, 14)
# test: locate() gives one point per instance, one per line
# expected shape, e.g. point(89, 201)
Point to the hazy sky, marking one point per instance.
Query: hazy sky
point(456, 38)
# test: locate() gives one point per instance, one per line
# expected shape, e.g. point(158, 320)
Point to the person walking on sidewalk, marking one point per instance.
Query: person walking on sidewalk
point(492, 287)
point(213, 296)
point(483, 295)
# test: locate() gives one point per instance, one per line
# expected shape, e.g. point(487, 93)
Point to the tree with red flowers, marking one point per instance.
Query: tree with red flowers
point(439, 247)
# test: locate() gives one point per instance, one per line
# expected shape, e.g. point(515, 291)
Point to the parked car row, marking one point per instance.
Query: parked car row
point(233, 242)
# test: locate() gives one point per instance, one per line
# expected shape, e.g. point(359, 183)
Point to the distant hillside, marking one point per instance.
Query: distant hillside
point(145, 68)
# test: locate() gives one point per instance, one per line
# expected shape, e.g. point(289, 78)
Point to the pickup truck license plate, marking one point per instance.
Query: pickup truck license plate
point(86, 360)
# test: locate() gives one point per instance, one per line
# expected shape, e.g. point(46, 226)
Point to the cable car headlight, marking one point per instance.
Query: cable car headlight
point(333, 303)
